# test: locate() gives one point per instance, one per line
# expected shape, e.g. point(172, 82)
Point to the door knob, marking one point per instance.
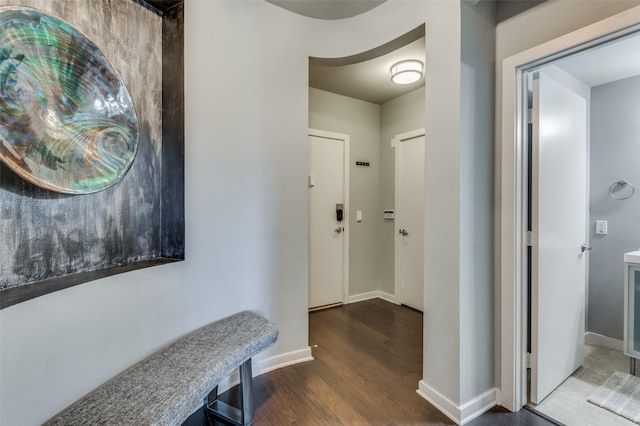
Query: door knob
point(585, 247)
point(403, 232)
point(339, 229)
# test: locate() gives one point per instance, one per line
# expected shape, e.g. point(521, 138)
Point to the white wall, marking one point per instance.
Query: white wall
point(400, 115)
point(361, 121)
point(246, 72)
point(461, 314)
point(476, 197)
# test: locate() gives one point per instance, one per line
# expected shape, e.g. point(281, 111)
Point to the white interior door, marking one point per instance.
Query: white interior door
point(327, 234)
point(409, 225)
point(558, 264)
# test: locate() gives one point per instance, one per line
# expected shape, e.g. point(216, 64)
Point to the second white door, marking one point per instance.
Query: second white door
point(409, 226)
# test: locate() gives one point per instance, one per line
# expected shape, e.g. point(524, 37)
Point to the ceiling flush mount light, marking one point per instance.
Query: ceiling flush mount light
point(406, 72)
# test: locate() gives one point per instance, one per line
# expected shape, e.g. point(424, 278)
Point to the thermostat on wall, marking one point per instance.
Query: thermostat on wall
point(389, 214)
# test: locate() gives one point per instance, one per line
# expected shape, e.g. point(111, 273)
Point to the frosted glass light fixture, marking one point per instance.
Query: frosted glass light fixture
point(406, 72)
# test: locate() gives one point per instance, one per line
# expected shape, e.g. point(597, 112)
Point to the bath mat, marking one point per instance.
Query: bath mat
point(620, 394)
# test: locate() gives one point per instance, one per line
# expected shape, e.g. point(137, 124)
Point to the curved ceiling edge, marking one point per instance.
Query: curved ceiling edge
point(395, 44)
point(327, 9)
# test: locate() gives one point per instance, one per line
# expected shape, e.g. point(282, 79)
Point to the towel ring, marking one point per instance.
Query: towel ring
point(621, 183)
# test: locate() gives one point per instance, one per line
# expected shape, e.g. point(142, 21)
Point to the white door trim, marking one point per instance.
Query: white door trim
point(345, 252)
point(511, 251)
point(395, 142)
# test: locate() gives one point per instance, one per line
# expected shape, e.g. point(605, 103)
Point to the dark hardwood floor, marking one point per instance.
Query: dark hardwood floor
point(368, 361)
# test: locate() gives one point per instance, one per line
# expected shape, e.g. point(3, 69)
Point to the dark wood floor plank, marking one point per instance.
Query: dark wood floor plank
point(368, 362)
point(340, 338)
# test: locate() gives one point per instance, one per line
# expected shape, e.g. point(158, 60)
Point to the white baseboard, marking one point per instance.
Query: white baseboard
point(266, 365)
point(377, 294)
point(600, 340)
point(388, 297)
point(460, 414)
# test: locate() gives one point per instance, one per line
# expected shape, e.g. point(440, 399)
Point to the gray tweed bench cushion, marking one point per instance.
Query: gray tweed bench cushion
point(169, 385)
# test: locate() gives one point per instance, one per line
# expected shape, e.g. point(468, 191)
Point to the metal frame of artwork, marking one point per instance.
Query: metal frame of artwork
point(67, 121)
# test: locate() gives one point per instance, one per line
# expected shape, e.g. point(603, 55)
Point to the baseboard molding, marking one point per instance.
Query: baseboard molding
point(388, 297)
point(460, 414)
point(266, 365)
point(600, 340)
point(377, 294)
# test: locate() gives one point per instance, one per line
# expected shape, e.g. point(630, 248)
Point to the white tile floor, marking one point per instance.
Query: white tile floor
point(568, 403)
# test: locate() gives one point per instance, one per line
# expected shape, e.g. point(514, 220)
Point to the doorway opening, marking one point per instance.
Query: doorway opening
point(355, 97)
point(602, 75)
point(597, 90)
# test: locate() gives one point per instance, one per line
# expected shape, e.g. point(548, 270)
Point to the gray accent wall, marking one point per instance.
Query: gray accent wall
point(615, 155)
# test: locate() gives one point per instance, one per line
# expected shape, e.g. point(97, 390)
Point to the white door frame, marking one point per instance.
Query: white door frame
point(345, 240)
point(395, 142)
point(511, 250)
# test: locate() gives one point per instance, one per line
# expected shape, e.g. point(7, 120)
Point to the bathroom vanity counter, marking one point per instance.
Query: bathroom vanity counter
point(632, 306)
point(632, 257)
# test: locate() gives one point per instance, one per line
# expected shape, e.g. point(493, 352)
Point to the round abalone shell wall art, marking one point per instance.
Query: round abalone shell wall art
point(67, 121)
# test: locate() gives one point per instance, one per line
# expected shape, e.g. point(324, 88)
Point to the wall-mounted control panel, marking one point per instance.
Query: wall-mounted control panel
point(389, 214)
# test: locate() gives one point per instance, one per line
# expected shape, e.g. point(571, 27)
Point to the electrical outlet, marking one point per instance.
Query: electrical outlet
point(601, 227)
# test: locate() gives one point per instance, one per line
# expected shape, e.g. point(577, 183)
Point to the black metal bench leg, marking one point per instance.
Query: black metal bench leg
point(246, 389)
point(242, 416)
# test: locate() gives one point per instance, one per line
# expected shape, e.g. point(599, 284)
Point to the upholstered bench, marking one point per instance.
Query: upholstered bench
point(169, 385)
